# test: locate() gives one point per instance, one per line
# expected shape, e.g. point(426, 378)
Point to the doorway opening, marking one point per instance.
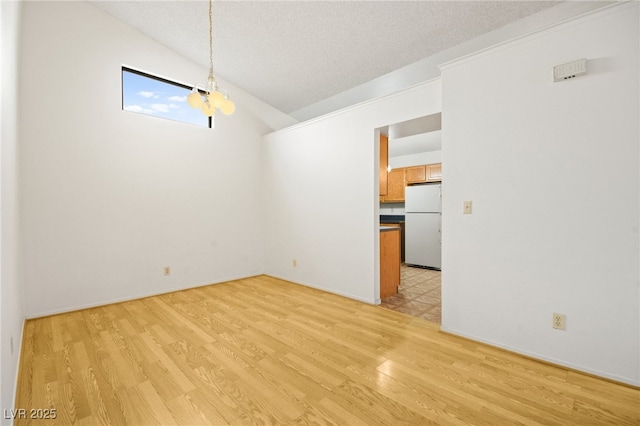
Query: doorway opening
point(411, 156)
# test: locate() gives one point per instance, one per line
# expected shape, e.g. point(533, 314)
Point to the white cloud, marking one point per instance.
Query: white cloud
point(177, 98)
point(138, 108)
point(146, 94)
point(164, 107)
point(160, 107)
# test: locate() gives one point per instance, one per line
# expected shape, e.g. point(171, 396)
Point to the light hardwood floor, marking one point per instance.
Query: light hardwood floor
point(262, 350)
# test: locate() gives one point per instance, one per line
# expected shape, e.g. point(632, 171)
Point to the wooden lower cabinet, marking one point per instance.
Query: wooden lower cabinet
point(401, 227)
point(389, 262)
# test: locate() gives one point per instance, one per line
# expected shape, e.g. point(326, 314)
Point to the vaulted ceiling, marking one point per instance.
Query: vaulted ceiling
point(293, 54)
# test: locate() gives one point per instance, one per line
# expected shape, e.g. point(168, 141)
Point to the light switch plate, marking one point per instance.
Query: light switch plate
point(466, 207)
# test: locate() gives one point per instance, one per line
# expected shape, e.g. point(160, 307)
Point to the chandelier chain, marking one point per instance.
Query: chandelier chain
point(211, 97)
point(211, 37)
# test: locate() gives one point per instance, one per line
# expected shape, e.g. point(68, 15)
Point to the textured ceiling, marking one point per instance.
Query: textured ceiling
point(292, 54)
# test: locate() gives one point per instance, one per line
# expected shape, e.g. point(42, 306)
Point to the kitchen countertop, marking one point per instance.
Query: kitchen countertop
point(388, 228)
point(387, 218)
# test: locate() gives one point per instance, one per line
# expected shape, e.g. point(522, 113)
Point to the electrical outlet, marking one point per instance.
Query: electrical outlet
point(466, 207)
point(295, 263)
point(167, 270)
point(558, 321)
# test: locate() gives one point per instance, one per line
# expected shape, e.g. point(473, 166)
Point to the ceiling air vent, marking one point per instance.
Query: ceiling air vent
point(570, 70)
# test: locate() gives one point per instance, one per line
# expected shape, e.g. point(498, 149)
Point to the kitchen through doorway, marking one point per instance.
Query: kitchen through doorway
point(410, 161)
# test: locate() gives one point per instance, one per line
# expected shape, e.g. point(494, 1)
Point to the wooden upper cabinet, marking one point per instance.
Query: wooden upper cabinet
point(425, 173)
point(434, 172)
point(416, 174)
point(384, 163)
point(395, 186)
point(398, 178)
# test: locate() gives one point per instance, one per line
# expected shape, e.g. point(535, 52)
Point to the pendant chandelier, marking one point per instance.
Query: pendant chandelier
point(211, 97)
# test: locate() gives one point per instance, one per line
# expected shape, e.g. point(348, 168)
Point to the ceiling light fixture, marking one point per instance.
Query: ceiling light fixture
point(211, 97)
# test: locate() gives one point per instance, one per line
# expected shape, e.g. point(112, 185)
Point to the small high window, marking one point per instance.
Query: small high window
point(151, 95)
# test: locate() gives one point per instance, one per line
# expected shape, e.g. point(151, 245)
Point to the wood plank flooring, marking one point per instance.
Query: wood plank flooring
point(265, 351)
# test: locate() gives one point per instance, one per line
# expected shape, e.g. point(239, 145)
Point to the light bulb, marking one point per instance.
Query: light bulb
point(195, 99)
point(216, 99)
point(227, 107)
point(208, 109)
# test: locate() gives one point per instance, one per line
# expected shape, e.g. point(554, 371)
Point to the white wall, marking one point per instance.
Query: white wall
point(11, 298)
point(429, 157)
point(552, 170)
point(392, 208)
point(111, 197)
point(326, 162)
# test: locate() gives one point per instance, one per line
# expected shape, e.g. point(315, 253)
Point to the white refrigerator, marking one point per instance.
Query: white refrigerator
point(423, 214)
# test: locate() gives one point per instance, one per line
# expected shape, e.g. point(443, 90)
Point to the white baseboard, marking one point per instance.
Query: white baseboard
point(339, 293)
point(558, 362)
point(129, 298)
point(17, 375)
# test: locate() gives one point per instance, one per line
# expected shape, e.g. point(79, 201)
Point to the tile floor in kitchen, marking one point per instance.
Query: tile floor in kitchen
point(418, 294)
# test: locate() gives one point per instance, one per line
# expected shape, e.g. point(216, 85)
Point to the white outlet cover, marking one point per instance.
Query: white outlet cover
point(560, 323)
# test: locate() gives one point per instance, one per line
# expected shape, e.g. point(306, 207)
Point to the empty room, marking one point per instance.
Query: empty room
point(208, 212)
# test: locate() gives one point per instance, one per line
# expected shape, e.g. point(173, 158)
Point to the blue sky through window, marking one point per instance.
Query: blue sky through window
point(147, 95)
